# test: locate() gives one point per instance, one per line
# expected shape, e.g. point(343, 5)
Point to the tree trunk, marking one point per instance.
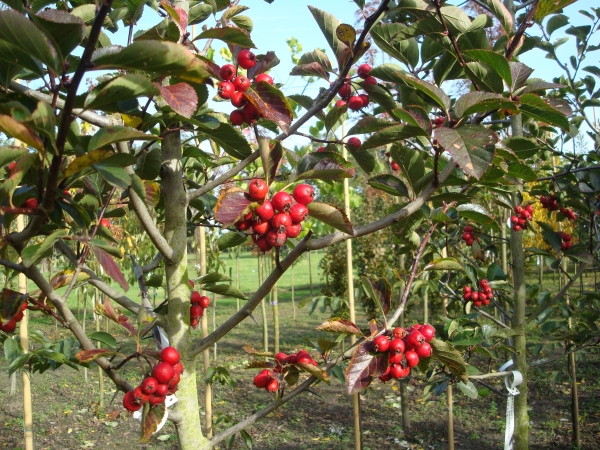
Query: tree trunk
point(189, 430)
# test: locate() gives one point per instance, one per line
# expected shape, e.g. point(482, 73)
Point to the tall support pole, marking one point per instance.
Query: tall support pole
point(350, 273)
point(449, 392)
point(293, 302)
point(100, 371)
point(206, 352)
point(275, 306)
point(24, 338)
point(263, 307)
point(310, 280)
point(237, 277)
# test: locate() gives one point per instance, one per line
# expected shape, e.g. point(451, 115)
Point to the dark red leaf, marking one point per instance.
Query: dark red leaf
point(338, 325)
point(181, 97)
point(107, 309)
point(110, 267)
point(310, 69)
point(151, 419)
point(264, 63)
point(271, 103)
point(214, 69)
point(10, 303)
point(179, 16)
point(271, 154)
point(383, 291)
point(230, 207)
point(358, 373)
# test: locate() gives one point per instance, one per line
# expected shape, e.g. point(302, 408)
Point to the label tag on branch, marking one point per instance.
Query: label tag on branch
point(511, 387)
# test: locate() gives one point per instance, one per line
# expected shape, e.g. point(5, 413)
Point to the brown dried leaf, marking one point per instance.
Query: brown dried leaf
point(331, 215)
point(257, 364)
point(339, 325)
point(85, 356)
point(151, 418)
point(64, 278)
point(358, 374)
point(231, 206)
point(181, 97)
point(315, 371)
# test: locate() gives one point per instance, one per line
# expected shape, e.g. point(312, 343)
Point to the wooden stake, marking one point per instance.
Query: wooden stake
point(263, 307)
point(24, 338)
point(206, 352)
point(275, 306)
point(293, 302)
point(237, 277)
point(310, 267)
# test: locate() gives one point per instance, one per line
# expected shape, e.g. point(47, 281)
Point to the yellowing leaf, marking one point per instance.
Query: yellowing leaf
point(131, 121)
point(346, 34)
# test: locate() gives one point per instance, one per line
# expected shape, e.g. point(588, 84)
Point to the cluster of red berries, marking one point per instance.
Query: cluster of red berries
point(198, 304)
point(568, 213)
point(468, 236)
point(438, 122)
point(267, 378)
point(404, 350)
point(550, 203)
point(393, 164)
point(481, 296)
point(9, 327)
point(522, 215)
point(233, 86)
point(354, 100)
point(272, 222)
point(164, 380)
point(566, 243)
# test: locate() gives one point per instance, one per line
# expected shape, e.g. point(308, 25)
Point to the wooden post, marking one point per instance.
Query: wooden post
point(275, 307)
point(350, 274)
point(237, 276)
point(206, 352)
point(85, 371)
point(310, 270)
point(263, 308)
point(24, 340)
point(214, 321)
point(293, 302)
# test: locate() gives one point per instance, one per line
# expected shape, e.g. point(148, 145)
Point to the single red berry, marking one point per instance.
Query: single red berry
point(178, 368)
point(304, 194)
point(194, 322)
point(294, 230)
point(261, 380)
point(428, 332)
point(12, 166)
point(281, 357)
point(250, 113)
point(239, 100)
point(149, 385)
point(320, 150)
point(241, 83)
point(227, 72)
point(475, 296)
point(370, 80)
point(261, 227)
point(363, 70)
point(196, 311)
point(304, 359)
point(263, 244)
point(354, 143)
point(345, 91)
point(275, 238)
point(246, 59)
point(161, 389)
point(195, 299)
point(265, 211)
point(292, 359)
point(174, 381)
point(424, 351)
point(163, 372)
point(282, 201)
point(355, 103)
point(395, 358)
point(386, 376)
point(281, 221)
point(129, 402)
point(258, 189)
point(225, 89)
point(170, 354)
point(381, 344)
point(395, 166)
point(273, 385)
point(517, 228)
point(469, 228)
point(298, 213)
point(398, 333)
point(156, 399)
point(412, 359)
point(264, 77)
point(396, 346)
point(415, 339)
point(365, 100)
point(340, 103)
point(9, 327)
point(32, 203)
point(104, 223)
point(236, 117)
point(204, 301)
point(397, 371)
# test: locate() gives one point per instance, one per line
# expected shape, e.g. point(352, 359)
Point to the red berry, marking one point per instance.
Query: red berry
point(246, 59)
point(395, 166)
point(12, 166)
point(32, 203)
point(321, 149)
point(428, 332)
point(236, 117)
point(275, 238)
point(298, 213)
point(178, 368)
point(9, 327)
point(241, 83)
point(415, 339)
point(516, 228)
point(355, 103)
point(281, 357)
point(250, 113)
point(363, 70)
point(354, 143)
point(264, 77)
point(156, 399)
point(258, 189)
point(282, 201)
point(370, 80)
point(294, 230)
point(281, 221)
point(386, 376)
point(161, 389)
point(239, 100)
point(174, 381)
point(468, 228)
point(303, 359)
point(170, 354)
point(397, 371)
point(261, 380)
point(265, 211)
point(263, 244)
point(225, 89)
point(195, 299)
point(395, 358)
point(150, 384)
point(345, 91)
point(381, 344)
point(396, 346)
point(340, 103)
point(227, 72)
point(412, 359)
point(194, 322)
point(398, 333)
point(129, 402)
point(304, 194)
point(163, 372)
point(196, 311)
point(365, 100)
point(424, 351)
point(475, 296)
point(204, 301)
point(273, 385)
point(261, 227)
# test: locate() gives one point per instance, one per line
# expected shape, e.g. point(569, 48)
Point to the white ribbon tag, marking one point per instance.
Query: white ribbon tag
point(511, 387)
point(169, 401)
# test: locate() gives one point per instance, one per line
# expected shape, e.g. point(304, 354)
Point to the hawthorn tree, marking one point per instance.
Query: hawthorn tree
point(447, 157)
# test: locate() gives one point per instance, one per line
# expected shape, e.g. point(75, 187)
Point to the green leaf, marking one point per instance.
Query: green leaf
point(411, 165)
point(16, 129)
point(471, 146)
point(456, 19)
point(444, 264)
point(369, 124)
point(229, 138)
point(316, 56)
point(449, 356)
point(111, 135)
point(105, 338)
point(522, 171)
point(15, 55)
point(547, 7)
point(34, 253)
point(213, 277)
point(120, 89)
point(502, 14)
point(149, 163)
point(555, 22)
point(19, 31)
point(520, 73)
point(65, 30)
point(10, 154)
point(495, 60)
point(232, 239)
point(229, 35)
point(523, 147)
point(334, 117)
point(380, 96)
point(103, 245)
point(328, 25)
point(474, 102)
point(199, 14)
point(225, 290)
point(389, 184)
point(484, 76)
point(331, 215)
point(113, 175)
point(468, 389)
point(323, 166)
point(535, 107)
point(478, 214)
point(363, 158)
point(246, 438)
point(393, 134)
point(405, 50)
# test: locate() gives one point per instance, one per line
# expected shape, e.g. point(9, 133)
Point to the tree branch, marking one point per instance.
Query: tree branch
point(516, 39)
point(152, 265)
